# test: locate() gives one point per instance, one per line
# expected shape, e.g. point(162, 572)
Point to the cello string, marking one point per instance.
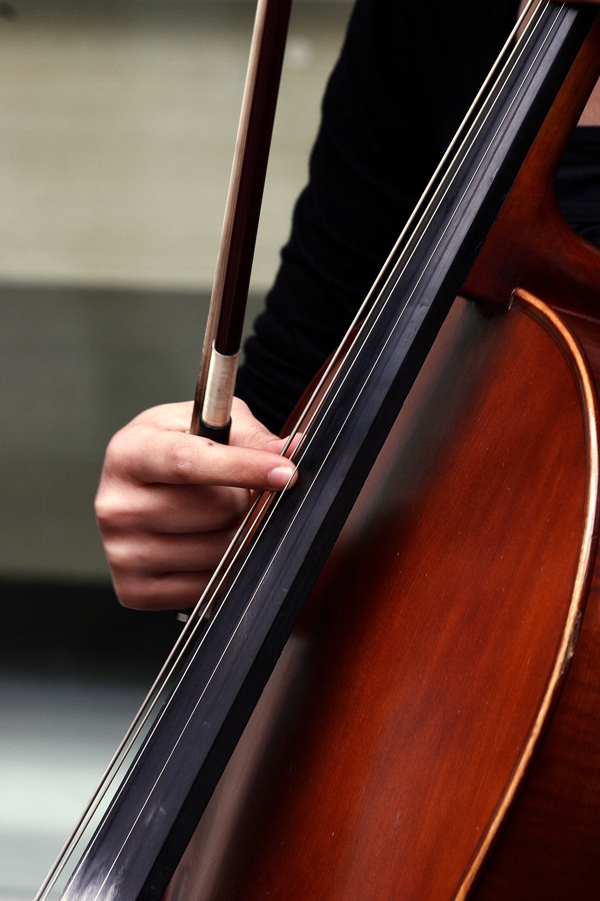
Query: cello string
point(357, 318)
point(334, 440)
point(303, 501)
point(330, 397)
point(392, 256)
point(311, 437)
point(360, 314)
point(193, 630)
point(126, 744)
point(171, 655)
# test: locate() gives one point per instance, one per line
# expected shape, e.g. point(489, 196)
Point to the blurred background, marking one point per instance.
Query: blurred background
point(117, 125)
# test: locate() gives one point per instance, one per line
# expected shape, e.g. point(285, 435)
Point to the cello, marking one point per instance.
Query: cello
point(408, 762)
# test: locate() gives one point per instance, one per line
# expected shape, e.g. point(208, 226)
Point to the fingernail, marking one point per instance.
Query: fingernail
point(281, 475)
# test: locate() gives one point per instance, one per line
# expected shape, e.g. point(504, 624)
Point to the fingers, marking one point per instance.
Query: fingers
point(182, 459)
point(170, 508)
point(169, 502)
point(154, 554)
point(155, 449)
point(149, 570)
point(167, 591)
point(162, 553)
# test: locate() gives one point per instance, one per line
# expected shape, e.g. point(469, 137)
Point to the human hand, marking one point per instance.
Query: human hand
point(169, 503)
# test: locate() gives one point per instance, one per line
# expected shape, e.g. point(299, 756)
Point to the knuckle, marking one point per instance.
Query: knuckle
point(118, 451)
point(113, 512)
point(182, 463)
point(226, 505)
point(255, 435)
point(126, 449)
point(239, 504)
point(128, 557)
point(160, 594)
point(107, 513)
point(131, 593)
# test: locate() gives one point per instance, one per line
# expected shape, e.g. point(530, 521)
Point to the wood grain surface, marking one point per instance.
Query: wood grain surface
point(531, 245)
point(432, 730)
point(395, 732)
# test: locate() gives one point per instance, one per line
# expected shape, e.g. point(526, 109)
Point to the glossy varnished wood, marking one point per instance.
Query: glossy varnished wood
point(549, 846)
point(530, 244)
point(391, 741)
point(432, 730)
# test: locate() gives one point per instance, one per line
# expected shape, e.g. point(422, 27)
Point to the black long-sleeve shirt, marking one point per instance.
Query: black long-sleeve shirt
point(406, 76)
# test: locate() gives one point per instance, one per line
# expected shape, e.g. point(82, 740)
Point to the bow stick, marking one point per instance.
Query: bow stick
point(222, 341)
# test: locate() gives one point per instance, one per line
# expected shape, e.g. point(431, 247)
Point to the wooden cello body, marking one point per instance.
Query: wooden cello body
point(432, 729)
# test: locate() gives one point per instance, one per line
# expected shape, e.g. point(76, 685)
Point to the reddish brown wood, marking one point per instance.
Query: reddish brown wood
point(416, 740)
point(549, 847)
point(530, 244)
point(393, 729)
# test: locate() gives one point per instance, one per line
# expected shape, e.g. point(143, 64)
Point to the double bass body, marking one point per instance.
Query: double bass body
point(432, 730)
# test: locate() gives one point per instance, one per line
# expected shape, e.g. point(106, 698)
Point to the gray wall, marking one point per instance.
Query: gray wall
point(117, 123)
